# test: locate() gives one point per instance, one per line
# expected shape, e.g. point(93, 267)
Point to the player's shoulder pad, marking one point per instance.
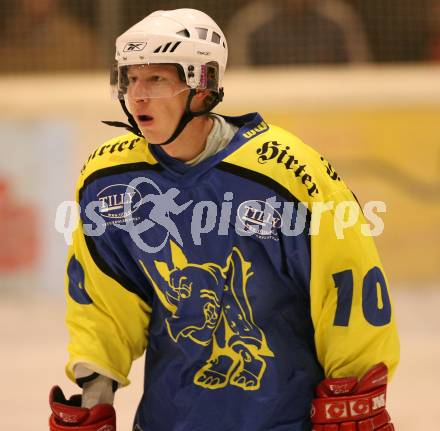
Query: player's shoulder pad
point(123, 149)
point(285, 159)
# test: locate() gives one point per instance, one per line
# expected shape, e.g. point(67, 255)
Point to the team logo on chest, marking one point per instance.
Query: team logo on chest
point(209, 305)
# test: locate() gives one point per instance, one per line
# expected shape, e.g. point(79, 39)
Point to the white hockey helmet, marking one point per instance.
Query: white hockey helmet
point(185, 37)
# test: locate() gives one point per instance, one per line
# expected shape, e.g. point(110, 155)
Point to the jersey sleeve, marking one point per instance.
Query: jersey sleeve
point(350, 299)
point(107, 323)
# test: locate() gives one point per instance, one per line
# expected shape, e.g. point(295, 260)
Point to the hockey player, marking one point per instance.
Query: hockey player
point(211, 242)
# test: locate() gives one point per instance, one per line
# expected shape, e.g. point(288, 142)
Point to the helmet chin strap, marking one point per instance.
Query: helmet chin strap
point(131, 127)
point(187, 116)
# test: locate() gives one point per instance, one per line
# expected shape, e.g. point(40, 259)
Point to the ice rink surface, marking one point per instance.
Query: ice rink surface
point(33, 353)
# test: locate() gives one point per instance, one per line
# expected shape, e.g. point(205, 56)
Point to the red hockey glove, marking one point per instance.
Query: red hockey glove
point(68, 415)
point(346, 404)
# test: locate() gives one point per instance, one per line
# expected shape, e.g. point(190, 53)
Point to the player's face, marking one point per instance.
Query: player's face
point(156, 98)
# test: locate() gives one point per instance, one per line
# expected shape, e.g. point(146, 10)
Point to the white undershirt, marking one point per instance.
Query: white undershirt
point(219, 137)
point(98, 390)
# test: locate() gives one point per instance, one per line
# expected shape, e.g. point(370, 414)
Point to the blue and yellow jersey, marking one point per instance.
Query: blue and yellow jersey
point(241, 277)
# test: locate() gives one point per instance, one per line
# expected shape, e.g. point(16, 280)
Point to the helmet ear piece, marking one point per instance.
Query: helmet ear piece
point(211, 75)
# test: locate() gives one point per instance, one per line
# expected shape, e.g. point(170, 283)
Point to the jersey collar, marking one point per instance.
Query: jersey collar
point(250, 125)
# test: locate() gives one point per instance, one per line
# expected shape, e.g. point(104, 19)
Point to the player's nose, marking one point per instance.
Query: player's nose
point(140, 93)
point(141, 99)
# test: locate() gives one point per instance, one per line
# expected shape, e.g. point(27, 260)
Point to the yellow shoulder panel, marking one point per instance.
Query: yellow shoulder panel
point(284, 158)
point(124, 149)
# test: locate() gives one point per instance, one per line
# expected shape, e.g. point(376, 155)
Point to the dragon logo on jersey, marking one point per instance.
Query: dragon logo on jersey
point(210, 306)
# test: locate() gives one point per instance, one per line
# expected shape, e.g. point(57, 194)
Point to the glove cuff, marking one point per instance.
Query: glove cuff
point(68, 415)
point(348, 408)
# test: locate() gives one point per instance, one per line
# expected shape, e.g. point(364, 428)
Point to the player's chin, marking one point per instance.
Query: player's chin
point(152, 136)
point(156, 131)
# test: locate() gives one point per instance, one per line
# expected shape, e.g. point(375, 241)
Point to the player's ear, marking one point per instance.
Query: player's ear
point(201, 100)
point(202, 94)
